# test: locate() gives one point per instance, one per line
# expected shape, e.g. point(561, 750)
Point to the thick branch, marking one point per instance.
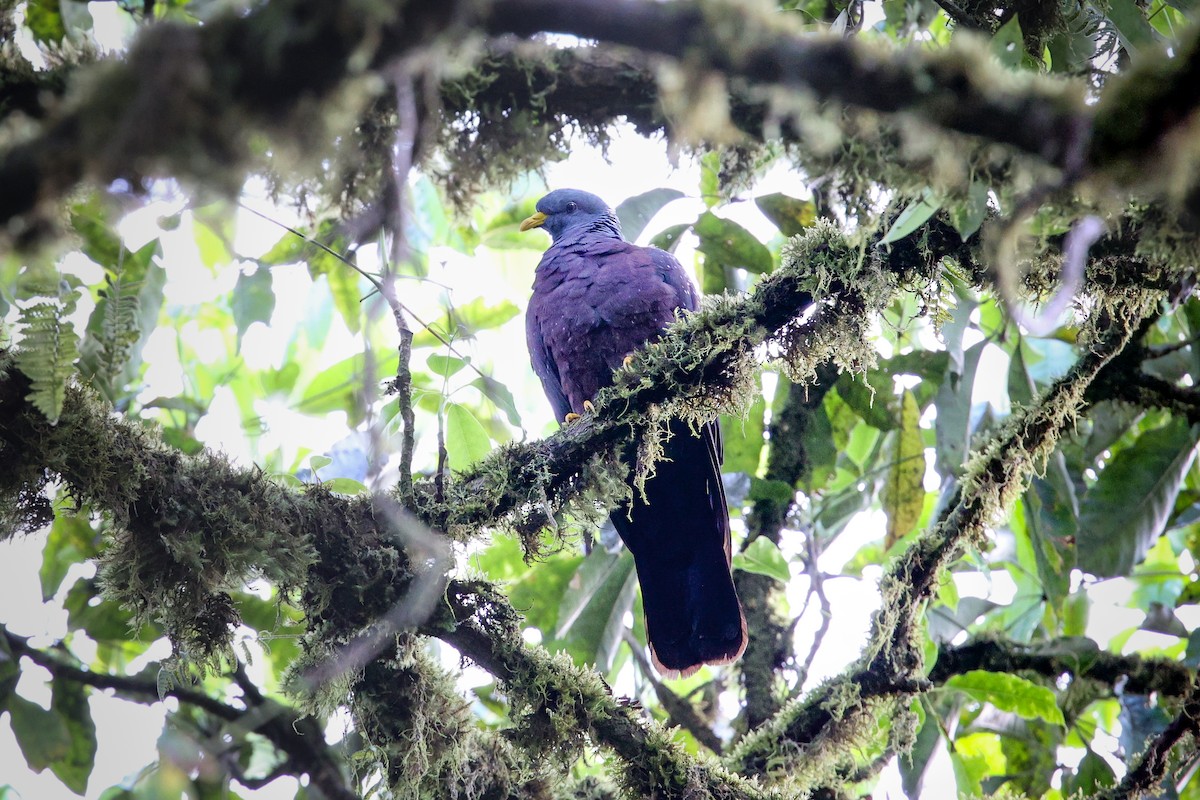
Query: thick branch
point(1079, 658)
point(943, 88)
point(179, 103)
point(483, 628)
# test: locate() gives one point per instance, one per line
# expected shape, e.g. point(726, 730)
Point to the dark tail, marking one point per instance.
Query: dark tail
point(679, 537)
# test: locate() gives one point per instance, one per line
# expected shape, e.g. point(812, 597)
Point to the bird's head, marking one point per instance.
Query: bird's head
point(570, 209)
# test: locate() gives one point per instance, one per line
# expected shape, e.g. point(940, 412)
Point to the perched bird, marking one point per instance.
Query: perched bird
point(596, 299)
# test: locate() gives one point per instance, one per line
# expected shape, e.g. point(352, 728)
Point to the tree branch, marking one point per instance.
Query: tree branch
point(484, 629)
point(1079, 658)
point(1151, 767)
point(890, 667)
point(174, 107)
point(769, 646)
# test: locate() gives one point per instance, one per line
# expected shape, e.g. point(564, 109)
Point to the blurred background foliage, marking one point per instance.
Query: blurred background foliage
point(251, 325)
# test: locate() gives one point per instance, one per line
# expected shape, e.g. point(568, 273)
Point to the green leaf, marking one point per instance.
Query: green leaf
point(591, 615)
point(444, 365)
point(868, 394)
point(904, 492)
point(345, 287)
point(100, 242)
point(1092, 775)
point(125, 316)
point(462, 322)
point(762, 557)
point(1008, 44)
point(71, 541)
point(50, 346)
point(668, 239)
point(710, 178)
point(743, 438)
point(347, 486)
point(102, 619)
point(1070, 51)
point(212, 246)
point(912, 217)
point(970, 214)
point(1126, 510)
point(1049, 519)
point(42, 735)
point(253, 300)
point(730, 245)
point(337, 387)
point(44, 20)
point(790, 214)
point(637, 211)
point(69, 703)
point(953, 403)
point(1009, 693)
point(466, 440)
point(499, 394)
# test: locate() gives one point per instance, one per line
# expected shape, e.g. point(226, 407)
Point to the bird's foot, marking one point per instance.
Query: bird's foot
point(571, 416)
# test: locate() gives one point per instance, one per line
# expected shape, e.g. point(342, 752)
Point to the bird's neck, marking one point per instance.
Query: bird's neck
point(607, 226)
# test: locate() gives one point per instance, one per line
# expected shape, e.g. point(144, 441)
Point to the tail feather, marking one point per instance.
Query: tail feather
point(680, 540)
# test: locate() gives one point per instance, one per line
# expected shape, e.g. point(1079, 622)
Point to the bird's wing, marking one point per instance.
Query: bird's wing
point(674, 275)
point(543, 363)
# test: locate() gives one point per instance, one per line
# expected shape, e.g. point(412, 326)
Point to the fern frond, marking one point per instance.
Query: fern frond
point(119, 326)
point(49, 349)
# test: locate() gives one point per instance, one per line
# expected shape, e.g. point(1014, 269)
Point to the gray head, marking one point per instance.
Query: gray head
point(573, 210)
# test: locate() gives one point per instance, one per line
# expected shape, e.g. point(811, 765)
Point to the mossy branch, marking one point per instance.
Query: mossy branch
point(1152, 766)
point(1078, 657)
point(844, 711)
point(555, 702)
point(203, 86)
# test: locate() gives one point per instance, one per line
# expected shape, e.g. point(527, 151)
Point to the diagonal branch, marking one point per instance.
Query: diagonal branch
point(889, 670)
point(1153, 764)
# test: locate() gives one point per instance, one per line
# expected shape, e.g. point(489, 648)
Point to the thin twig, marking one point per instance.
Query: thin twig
point(300, 740)
point(817, 587)
point(402, 159)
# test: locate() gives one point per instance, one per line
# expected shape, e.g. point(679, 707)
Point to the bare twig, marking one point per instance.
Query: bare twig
point(817, 587)
point(402, 156)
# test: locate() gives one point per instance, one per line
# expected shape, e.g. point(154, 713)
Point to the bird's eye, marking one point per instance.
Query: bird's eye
point(572, 206)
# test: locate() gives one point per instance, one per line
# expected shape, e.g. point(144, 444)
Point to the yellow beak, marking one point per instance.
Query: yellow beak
point(534, 221)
